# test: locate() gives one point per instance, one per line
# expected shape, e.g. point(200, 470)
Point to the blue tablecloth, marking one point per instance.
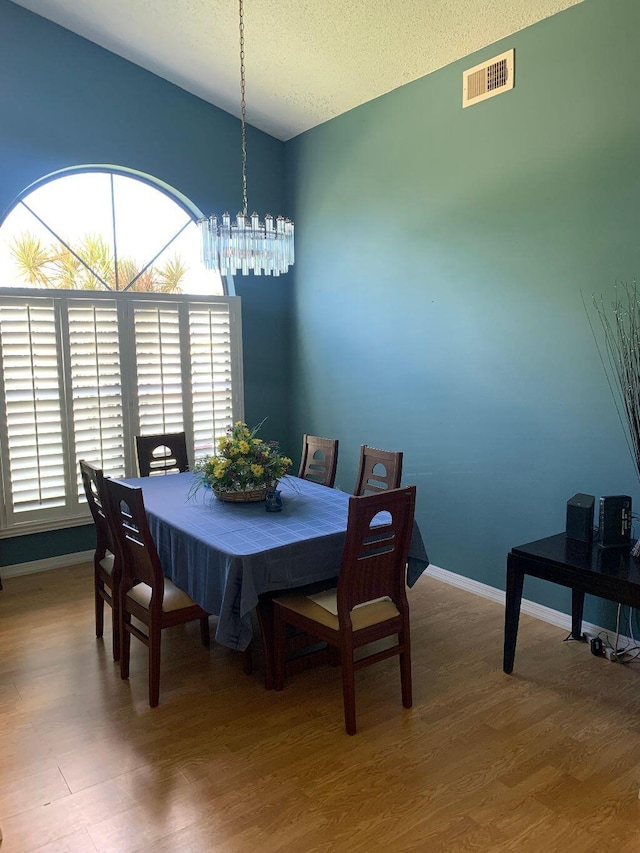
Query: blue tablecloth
point(226, 554)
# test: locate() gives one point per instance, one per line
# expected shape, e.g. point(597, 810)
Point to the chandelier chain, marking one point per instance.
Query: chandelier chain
point(243, 108)
point(246, 244)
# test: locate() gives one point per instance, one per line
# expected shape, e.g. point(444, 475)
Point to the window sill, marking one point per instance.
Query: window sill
point(44, 526)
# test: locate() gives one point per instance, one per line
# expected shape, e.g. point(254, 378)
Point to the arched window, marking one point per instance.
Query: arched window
point(110, 327)
point(98, 229)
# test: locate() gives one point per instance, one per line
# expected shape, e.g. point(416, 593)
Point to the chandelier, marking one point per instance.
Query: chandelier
point(246, 244)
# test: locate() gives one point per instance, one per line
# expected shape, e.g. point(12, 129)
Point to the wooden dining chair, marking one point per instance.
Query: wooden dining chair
point(106, 569)
point(379, 470)
point(319, 460)
point(370, 602)
point(145, 593)
point(162, 454)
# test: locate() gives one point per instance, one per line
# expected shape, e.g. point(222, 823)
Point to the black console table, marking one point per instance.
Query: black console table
point(610, 573)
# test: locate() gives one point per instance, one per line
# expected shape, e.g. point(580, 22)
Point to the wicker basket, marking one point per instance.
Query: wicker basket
point(242, 497)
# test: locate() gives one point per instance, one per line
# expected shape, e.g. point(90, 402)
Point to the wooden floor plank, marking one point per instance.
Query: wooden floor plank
point(544, 760)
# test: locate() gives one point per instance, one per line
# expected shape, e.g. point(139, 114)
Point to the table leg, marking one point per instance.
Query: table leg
point(302, 650)
point(264, 611)
point(577, 608)
point(515, 582)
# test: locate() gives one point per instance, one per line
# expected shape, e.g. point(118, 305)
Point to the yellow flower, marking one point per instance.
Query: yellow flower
point(240, 430)
point(241, 460)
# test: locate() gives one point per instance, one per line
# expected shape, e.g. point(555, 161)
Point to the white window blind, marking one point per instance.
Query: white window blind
point(212, 371)
point(33, 451)
point(159, 370)
point(81, 375)
point(96, 387)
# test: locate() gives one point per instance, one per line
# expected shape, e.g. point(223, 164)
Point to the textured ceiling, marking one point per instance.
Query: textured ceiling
point(306, 60)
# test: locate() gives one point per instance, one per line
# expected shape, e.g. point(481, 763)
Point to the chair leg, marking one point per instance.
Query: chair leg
point(333, 655)
point(264, 612)
point(348, 688)
point(115, 626)
point(279, 649)
point(204, 632)
point(99, 604)
point(405, 669)
point(247, 660)
point(125, 644)
point(155, 635)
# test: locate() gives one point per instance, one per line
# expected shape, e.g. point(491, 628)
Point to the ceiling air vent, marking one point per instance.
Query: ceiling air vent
point(488, 79)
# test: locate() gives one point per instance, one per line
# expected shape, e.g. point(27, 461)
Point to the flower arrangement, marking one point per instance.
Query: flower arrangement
point(243, 464)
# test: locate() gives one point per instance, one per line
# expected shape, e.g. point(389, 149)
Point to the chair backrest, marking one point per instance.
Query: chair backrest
point(136, 548)
point(93, 482)
point(162, 454)
point(319, 460)
point(379, 471)
point(374, 560)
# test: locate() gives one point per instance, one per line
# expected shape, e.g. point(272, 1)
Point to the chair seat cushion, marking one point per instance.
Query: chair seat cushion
point(107, 561)
point(362, 616)
point(174, 597)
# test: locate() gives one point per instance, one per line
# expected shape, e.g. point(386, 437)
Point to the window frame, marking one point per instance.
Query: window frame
point(175, 195)
point(75, 511)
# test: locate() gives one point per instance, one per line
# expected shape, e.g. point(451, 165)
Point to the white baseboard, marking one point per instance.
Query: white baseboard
point(46, 565)
point(539, 611)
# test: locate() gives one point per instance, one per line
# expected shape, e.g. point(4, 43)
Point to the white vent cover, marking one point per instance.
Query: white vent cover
point(488, 79)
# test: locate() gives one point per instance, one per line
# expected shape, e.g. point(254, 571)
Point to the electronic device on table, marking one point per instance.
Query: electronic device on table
point(614, 520)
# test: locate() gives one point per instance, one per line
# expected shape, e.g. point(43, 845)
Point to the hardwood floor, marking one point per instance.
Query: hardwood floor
point(545, 760)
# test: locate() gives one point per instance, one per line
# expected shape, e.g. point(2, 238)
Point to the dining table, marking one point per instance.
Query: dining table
point(229, 556)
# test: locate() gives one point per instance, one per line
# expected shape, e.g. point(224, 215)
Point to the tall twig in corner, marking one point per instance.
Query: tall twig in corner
point(619, 351)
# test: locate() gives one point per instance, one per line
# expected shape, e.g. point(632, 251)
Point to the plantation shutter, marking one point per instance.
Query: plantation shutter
point(97, 406)
point(211, 373)
point(34, 470)
point(158, 368)
point(81, 374)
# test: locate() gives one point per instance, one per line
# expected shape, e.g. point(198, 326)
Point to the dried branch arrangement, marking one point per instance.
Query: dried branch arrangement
point(619, 351)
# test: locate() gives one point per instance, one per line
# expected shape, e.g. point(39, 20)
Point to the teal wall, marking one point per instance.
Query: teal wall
point(439, 261)
point(65, 101)
point(441, 254)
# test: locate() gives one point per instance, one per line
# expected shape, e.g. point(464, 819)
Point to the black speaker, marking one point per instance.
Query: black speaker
point(615, 521)
point(580, 517)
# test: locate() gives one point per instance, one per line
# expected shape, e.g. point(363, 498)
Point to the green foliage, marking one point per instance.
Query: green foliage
point(91, 266)
point(31, 257)
point(242, 463)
